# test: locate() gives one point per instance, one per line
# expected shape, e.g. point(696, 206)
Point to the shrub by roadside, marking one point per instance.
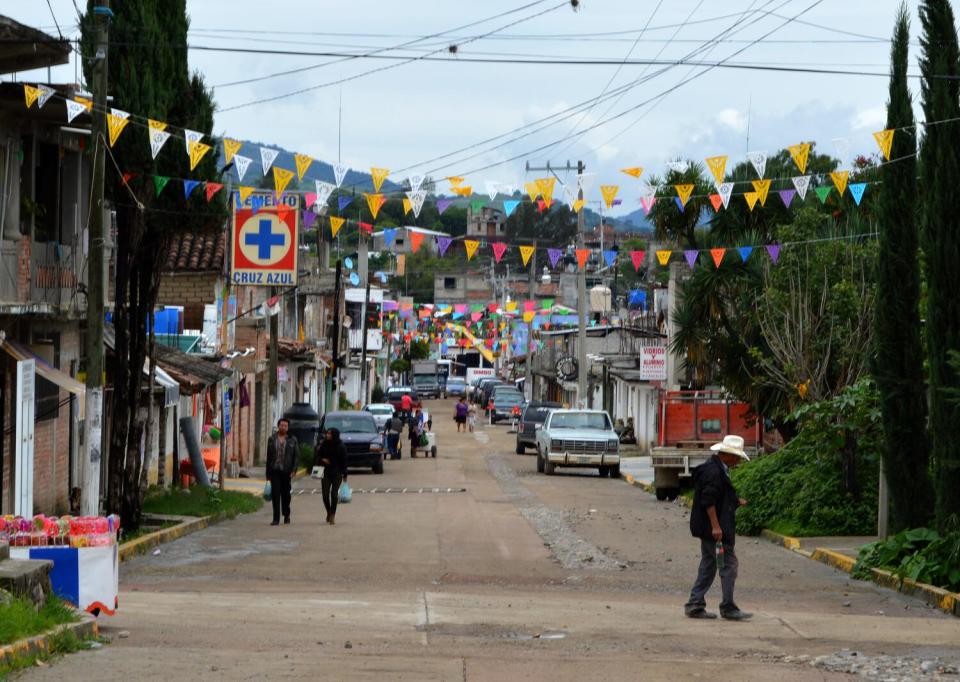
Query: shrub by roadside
point(200, 501)
point(920, 554)
point(19, 618)
point(824, 481)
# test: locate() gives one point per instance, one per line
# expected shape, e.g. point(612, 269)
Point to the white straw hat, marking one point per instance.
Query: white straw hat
point(732, 445)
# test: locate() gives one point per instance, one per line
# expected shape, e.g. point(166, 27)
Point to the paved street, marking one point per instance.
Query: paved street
point(474, 567)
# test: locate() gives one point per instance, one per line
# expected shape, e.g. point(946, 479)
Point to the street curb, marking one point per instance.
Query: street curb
point(946, 601)
point(85, 627)
point(648, 487)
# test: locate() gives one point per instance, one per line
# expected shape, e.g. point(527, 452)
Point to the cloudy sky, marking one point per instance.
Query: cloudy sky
point(612, 114)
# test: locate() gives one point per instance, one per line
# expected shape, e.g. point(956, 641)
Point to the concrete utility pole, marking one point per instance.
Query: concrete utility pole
point(96, 289)
point(531, 283)
point(274, 360)
point(364, 374)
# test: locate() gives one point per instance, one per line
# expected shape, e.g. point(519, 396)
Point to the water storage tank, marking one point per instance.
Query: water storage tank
point(600, 299)
point(304, 423)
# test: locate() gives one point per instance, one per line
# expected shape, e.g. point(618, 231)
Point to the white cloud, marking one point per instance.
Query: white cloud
point(733, 119)
point(872, 118)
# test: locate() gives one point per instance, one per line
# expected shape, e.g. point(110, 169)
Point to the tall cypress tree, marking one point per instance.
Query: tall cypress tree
point(940, 235)
point(898, 363)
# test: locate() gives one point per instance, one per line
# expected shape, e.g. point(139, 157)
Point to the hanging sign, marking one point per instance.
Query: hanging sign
point(265, 241)
point(653, 363)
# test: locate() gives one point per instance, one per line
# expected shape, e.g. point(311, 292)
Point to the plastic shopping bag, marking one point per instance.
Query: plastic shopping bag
point(267, 491)
point(346, 494)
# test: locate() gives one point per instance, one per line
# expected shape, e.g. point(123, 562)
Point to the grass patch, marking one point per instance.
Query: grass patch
point(200, 501)
point(19, 619)
point(65, 642)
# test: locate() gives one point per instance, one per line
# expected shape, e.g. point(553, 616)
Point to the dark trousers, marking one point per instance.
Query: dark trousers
point(330, 490)
point(280, 494)
point(393, 445)
point(708, 571)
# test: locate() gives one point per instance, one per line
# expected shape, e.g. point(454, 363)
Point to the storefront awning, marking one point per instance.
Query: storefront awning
point(48, 371)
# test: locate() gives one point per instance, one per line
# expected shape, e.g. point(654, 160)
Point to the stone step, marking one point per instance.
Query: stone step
point(4, 551)
point(26, 578)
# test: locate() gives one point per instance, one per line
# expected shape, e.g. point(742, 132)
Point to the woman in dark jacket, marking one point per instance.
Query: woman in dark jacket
point(331, 454)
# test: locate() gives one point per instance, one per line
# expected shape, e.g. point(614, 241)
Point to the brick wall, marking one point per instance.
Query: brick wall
point(183, 288)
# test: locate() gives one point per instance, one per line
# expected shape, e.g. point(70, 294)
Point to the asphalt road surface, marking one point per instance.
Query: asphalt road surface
point(472, 566)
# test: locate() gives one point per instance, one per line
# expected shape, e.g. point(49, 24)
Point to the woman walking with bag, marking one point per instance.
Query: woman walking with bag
point(331, 454)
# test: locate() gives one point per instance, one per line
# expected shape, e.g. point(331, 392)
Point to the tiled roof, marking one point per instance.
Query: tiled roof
point(196, 251)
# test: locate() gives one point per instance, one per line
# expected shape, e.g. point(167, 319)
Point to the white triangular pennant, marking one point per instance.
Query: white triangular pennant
point(74, 109)
point(759, 161)
point(802, 184)
point(241, 163)
point(158, 138)
point(570, 193)
point(45, 94)
point(585, 182)
point(191, 137)
point(339, 173)
point(678, 166)
point(493, 188)
point(324, 190)
point(415, 182)
point(267, 157)
point(416, 201)
point(725, 189)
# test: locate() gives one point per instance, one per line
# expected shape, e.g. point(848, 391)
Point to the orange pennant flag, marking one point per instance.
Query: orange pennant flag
point(303, 163)
point(374, 203)
point(471, 246)
point(416, 239)
point(717, 201)
point(684, 192)
point(281, 178)
point(582, 256)
point(609, 193)
point(884, 139)
point(717, 256)
point(840, 180)
point(526, 252)
point(664, 256)
point(718, 167)
point(762, 188)
point(751, 198)
point(378, 175)
point(335, 224)
point(634, 171)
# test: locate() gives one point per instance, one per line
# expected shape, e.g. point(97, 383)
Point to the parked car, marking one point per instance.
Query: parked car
point(486, 389)
point(395, 394)
point(381, 413)
point(456, 387)
point(531, 419)
point(505, 398)
point(360, 435)
point(578, 438)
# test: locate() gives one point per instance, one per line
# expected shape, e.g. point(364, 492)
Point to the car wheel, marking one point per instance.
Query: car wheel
point(661, 494)
point(548, 467)
point(615, 471)
point(521, 448)
point(378, 467)
point(539, 463)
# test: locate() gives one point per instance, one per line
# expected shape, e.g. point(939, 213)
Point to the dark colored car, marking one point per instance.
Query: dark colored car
point(505, 399)
point(359, 433)
point(394, 396)
point(456, 387)
point(486, 389)
point(534, 414)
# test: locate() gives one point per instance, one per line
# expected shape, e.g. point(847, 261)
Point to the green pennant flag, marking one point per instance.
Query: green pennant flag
point(476, 205)
point(159, 182)
point(477, 308)
point(823, 193)
point(546, 304)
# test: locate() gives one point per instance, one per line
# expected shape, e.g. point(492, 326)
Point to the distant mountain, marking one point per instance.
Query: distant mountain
point(635, 221)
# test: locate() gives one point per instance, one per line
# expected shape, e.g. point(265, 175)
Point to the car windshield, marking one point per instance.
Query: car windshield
point(398, 393)
point(456, 382)
point(380, 409)
point(424, 379)
point(508, 397)
point(580, 420)
point(537, 415)
point(351, 423)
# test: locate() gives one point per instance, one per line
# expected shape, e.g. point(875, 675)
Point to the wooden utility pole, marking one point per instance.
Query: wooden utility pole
point(273, 360)
point(337, 322)
point(364, 374)
point(96, 285)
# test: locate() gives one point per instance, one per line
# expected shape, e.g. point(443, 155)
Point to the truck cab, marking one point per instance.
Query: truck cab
point(578, 438)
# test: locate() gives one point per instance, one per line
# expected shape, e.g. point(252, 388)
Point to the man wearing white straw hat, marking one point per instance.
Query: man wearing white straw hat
point(713, 520)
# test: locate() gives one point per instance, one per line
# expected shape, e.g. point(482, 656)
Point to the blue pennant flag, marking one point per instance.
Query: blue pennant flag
point(856, 190)
point(190, 185)
point(745, 252)
point(610, 256)
point(389, 234)
point(679, 203)
point(343, 202)
point(510, 206)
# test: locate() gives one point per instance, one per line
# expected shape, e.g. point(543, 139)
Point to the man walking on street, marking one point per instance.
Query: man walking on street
point(394, 429)
point(713, 520)
point(282, 455)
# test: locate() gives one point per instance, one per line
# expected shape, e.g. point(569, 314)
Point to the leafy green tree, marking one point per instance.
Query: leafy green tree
point(670, 222)
point(148, 76)
point(940, 234)
point(898, 362)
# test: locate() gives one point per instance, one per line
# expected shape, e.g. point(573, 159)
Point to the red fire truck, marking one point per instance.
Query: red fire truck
point(688, 423)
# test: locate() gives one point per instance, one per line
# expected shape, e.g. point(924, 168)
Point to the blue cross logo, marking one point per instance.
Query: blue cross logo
point(264, 239)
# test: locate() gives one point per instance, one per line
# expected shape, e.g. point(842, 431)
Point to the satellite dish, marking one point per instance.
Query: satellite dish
point(354, 279)
point(349, 263)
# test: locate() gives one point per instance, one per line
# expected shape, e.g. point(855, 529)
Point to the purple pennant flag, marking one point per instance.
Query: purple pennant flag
point(679, 203)
point(691, 255)
point(443, 205)
point(774, 251)
point(787, 196)
point(443, 243)
point(308, 217)
point(554, 255)
point(617, 202)
point(343, 202)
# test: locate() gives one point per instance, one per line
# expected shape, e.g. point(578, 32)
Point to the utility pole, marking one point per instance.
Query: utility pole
point(96, 289)
point(581, 285)
point(363, 354)
point(532, 282)
point(274, 359)
point(337, 322)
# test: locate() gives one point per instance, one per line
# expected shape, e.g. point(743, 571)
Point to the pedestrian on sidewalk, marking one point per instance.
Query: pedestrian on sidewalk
point(472, 417)
point(713, 521)
point(282, 455)
point(394, 429)
point(331, 454)
point(460, 414)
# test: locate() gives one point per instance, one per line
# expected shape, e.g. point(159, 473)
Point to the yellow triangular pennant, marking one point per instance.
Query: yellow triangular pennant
point(374, 202)
point(609, 193)
point(800, 153)
point(31, 94)
point(684, 192)
point(230, 147)
point(526, 252)
point(407, 206)
point(88, 103)
point(664, 256)
point(197, 151)
point(762, 188)
point(751, 198)
point(116, 121)
point(455, 180)
point(577, 205)
point(378, 175)
point(245, 193)
point(471, 245)
point(464, 191)
point(840, 180)
point(718, 167)
point(156, 125)
point(545, 189)
point(634, 171)
point(533, 189)
point(303, 163)
point(884, 138)
point(281, 178)
point(335, 225)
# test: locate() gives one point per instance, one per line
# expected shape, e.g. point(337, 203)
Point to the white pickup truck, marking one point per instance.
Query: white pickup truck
point(578, 438)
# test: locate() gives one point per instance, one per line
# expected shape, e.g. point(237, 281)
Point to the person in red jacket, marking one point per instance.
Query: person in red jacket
point(406, 404)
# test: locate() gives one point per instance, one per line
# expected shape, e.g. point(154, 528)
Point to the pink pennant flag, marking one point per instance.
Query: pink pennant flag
point(717, 202)
point(460, 308)
point(499, 248)
point(529, 306)
point(637, 258)
point(647, 203)
point(774, 251)
point(691, 256)
point(476, 316)
point(310, 197)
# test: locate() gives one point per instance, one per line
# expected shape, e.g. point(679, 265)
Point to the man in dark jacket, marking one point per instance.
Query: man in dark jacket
point(713, 520)
point(282, 455)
